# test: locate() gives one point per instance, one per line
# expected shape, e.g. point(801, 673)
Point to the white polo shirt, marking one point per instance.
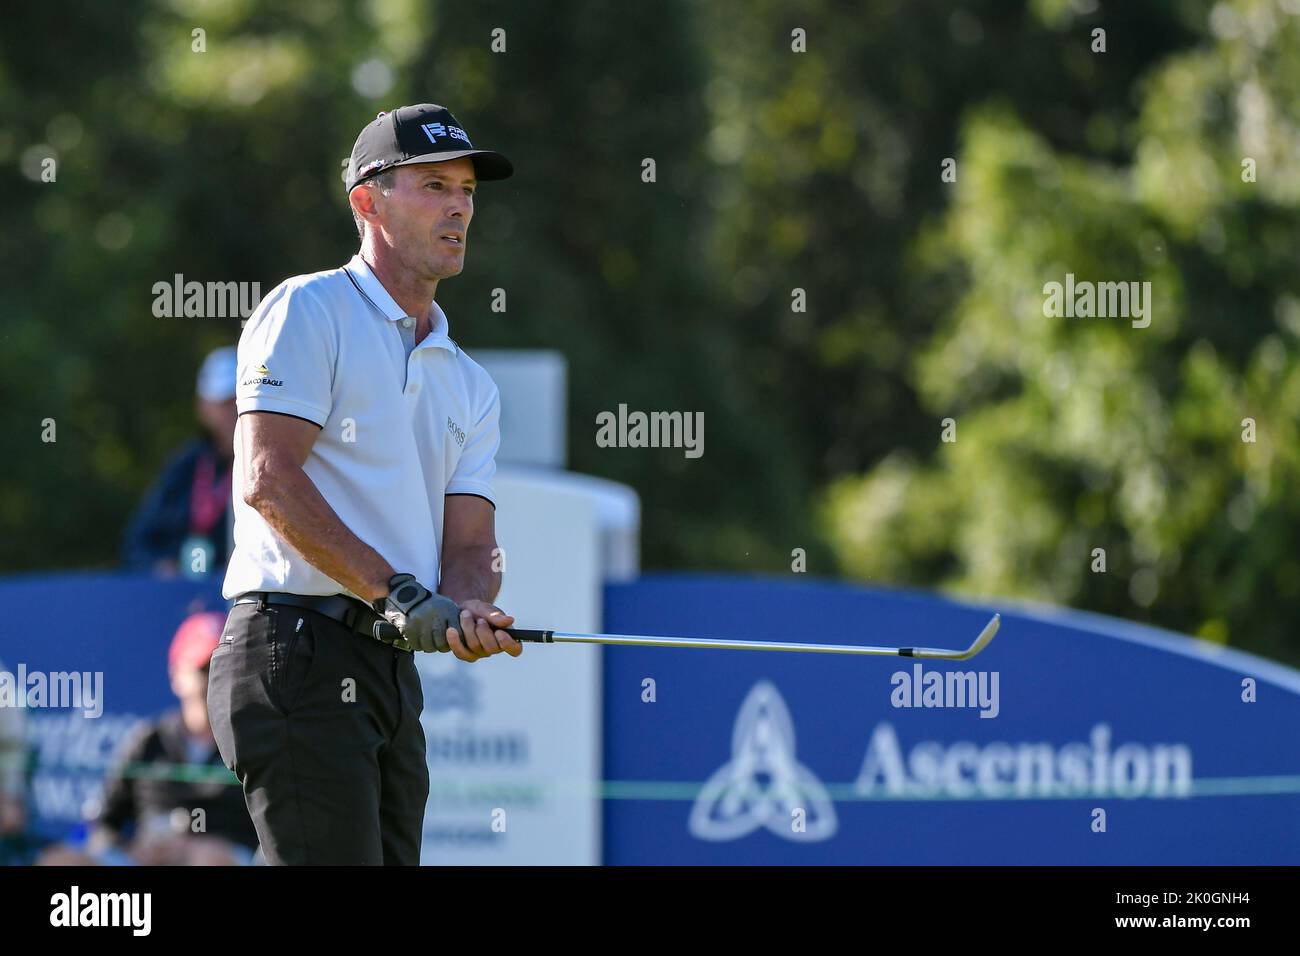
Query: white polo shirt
point(397, 433)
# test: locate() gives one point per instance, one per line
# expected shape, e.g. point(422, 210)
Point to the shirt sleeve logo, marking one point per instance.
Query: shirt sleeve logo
point(262, 376)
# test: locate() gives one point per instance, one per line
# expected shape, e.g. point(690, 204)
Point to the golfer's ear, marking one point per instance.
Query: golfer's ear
point(363, 200)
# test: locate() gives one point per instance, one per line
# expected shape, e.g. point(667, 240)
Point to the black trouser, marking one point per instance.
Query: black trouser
point(322, 727)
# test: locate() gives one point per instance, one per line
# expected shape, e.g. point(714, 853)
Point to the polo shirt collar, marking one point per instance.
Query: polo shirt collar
point(373, 290)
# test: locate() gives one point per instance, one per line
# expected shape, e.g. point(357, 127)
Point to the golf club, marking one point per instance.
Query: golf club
point(637, 640)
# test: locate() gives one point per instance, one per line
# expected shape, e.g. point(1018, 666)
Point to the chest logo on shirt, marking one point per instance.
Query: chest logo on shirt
point(457, 432)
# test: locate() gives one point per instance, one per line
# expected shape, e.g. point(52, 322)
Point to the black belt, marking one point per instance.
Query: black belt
point(350, 612)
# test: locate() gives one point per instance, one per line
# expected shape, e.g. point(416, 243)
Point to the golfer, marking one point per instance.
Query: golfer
point(364, 456)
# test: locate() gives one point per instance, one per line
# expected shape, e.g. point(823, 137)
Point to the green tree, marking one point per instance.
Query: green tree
point(222, 164)
point(1075, 434)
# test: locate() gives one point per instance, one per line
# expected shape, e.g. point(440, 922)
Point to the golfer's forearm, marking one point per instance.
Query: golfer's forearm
point(467, 575)
point(293, 505)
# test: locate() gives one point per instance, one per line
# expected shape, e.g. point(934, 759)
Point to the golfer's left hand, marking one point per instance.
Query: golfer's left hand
point(478, 636)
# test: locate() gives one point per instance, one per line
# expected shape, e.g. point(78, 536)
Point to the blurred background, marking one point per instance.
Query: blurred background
point(819, 171)
point(856, 207)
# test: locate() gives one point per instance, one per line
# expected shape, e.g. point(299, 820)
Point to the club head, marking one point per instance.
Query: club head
point(985, 636)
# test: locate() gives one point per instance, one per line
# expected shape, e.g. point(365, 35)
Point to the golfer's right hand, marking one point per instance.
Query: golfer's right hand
point(422, 616)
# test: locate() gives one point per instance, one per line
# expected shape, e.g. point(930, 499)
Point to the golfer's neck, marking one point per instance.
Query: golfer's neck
point(413, 294)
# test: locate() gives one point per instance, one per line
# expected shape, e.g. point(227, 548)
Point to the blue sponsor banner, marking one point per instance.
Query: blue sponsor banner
point(1066, 724)
point(97, 643)
point(761, 757)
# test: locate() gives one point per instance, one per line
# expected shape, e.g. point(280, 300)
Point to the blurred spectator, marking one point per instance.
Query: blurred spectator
point(188, 507)
point(13, 780)
point(170, 769)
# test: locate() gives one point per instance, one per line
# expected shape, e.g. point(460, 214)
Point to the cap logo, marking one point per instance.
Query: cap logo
point(436, 130)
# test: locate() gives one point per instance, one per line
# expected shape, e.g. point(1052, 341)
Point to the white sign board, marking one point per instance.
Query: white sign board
point(514, 744)
point(533, 385)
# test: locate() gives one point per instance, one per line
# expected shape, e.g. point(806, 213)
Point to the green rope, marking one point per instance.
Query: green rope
point(683, 790)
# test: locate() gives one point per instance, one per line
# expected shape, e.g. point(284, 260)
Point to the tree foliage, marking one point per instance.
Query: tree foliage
point(799, 152)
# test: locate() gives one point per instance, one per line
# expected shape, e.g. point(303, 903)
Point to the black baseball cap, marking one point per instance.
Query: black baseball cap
point(426, 133)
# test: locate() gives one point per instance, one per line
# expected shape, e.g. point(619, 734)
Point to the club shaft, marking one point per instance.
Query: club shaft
point(638, 640)
point(646, 640)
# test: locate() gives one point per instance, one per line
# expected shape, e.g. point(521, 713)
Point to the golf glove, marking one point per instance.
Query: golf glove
point(422, 616)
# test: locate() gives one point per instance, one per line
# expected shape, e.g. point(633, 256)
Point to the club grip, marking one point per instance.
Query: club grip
point(522, 634)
